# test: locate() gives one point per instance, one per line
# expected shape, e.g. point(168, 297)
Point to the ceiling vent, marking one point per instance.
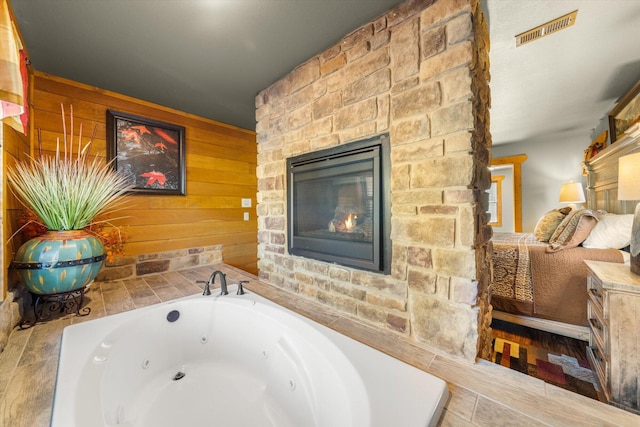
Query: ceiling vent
point(545, 29)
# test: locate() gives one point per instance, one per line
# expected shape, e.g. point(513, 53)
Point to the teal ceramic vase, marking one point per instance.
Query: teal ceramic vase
point(59, 261)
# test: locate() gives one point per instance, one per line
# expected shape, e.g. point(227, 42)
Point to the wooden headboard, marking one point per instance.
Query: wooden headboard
point(602, 174)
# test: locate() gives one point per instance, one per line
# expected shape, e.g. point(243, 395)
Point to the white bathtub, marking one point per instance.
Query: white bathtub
point(232, 361)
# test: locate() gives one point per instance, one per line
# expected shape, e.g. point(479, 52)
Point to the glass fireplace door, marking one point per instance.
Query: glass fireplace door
point(335, 208)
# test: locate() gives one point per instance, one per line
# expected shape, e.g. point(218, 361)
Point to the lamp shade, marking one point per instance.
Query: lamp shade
point(629, 177)
point(572, 192)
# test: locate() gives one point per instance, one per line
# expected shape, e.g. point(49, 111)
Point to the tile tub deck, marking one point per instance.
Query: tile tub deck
point(482, 394)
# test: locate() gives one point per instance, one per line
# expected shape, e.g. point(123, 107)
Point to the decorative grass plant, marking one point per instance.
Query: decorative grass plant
point(70, 193)
point(68, 190)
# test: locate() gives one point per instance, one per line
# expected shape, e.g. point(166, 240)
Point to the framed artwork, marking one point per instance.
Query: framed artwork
point(150, 152)
point(625, 113)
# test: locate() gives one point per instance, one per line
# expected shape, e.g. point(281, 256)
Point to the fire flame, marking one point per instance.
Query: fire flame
point(350, 222)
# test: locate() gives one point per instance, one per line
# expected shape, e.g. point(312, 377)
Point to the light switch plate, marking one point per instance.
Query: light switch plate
point(246, 203)
point(246, 216)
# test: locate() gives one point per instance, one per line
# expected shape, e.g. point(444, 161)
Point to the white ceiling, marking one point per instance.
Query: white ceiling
point(560, 86)
point(211, 58)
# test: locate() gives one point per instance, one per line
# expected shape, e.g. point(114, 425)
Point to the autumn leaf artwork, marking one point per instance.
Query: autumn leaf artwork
point(149, 152)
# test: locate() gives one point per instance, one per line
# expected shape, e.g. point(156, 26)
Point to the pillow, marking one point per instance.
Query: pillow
point(573, 230)
point(565, 222)
point(612, 231)
point(548, 223)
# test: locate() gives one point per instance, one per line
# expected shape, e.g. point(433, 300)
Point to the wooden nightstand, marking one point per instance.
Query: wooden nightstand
point(614, 341)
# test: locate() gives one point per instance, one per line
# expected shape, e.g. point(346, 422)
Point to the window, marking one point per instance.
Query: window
point(495, 201)
point(516, 163)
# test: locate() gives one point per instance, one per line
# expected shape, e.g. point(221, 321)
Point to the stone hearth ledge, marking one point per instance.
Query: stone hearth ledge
point(481, 394)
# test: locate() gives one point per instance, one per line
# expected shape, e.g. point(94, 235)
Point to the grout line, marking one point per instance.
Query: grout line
point(129, 294)
point(104, 306)
point(475, 408)
point(12, 372)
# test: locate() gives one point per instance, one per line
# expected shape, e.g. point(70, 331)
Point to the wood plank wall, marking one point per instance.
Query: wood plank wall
point(220, 171)
point(15, 146)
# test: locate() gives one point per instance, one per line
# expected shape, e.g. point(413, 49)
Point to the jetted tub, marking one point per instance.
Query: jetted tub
point(232, 361)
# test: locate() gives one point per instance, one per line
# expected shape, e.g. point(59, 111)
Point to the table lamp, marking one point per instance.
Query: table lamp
point(572, 193)
point(629, 189)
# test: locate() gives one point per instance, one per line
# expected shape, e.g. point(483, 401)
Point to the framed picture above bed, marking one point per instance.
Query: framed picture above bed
point(625, 113)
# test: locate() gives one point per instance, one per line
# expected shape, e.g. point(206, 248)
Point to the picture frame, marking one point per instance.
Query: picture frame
point(150, 152)
point(625, 113)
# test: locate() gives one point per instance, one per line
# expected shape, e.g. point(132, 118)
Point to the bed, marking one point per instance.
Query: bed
point(543, 285)
point(545, 290)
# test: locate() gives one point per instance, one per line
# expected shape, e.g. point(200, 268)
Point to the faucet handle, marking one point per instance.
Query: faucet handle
point(241, 288)
point(207, 290)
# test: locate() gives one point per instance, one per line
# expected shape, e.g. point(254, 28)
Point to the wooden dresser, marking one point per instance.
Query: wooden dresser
point(614, 341)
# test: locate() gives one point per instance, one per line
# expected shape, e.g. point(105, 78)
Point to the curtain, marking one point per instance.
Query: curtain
point(13, 72)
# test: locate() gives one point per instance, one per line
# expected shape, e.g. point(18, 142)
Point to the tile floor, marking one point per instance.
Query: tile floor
point(482, 394)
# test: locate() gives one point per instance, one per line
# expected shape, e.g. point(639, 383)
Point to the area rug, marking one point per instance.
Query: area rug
point(557, 369)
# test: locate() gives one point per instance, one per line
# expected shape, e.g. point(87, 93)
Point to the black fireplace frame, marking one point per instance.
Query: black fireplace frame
point(374, 256)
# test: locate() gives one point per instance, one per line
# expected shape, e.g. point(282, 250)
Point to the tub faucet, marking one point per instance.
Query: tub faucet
point(212, 280)
point(223, 281)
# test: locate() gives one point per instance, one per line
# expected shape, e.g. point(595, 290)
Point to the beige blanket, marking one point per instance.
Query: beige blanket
point(560, 282)
point(530, 281)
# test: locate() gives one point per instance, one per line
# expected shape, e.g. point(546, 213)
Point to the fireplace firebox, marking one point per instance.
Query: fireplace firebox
point(338, 203)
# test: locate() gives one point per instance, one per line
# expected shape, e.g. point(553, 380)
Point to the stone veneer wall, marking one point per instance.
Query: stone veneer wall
point(128, 267)
point(420, 72)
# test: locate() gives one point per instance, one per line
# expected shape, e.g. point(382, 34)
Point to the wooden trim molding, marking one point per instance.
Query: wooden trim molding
point(559, 328)
point(516, 161)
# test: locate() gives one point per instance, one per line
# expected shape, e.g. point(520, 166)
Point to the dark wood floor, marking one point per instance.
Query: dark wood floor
point(551, 342)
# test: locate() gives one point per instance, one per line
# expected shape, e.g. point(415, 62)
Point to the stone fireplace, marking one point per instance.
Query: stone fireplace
point(419, 73)
point(338, 205)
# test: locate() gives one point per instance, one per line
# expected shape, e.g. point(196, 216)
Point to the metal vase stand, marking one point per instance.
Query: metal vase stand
point(46, 306)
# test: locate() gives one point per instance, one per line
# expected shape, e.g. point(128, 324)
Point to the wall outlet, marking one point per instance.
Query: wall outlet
point(246, 216)
point(246, 203)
